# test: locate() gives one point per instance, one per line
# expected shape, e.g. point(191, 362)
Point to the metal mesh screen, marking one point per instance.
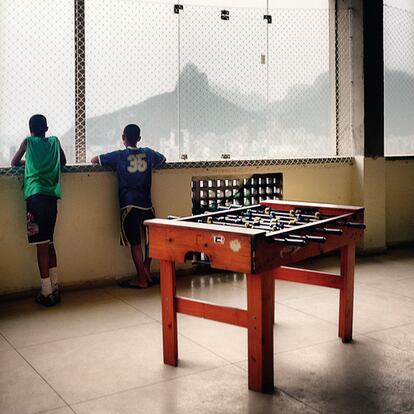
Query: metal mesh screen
point(131, 74)
point(298, 113)
point(80, 83)
point(398, 81)
point(36, 70)
point(204, 83)
point(222, 83)
point(342, 125)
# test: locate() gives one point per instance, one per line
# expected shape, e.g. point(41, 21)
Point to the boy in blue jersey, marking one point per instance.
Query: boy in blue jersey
point(134, 167)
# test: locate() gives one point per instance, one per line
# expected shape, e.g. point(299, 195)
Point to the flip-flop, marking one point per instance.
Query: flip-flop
point(126, 283)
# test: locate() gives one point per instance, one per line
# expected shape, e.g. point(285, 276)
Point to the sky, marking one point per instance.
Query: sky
point(34, 79)
point(40, 79)
point(401, 4)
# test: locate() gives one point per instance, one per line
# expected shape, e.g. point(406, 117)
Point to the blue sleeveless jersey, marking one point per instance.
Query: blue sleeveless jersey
point(134, 170)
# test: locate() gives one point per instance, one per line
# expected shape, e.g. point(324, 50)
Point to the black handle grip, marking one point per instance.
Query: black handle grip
point(356, 225)
point(336, 232)
point(306, 237)
point(315, 239)
point(293, 242)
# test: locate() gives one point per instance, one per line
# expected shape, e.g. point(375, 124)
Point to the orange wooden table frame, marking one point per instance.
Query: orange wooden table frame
point(259, 316)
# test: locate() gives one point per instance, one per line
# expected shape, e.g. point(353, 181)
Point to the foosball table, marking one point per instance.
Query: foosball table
point(261, 241)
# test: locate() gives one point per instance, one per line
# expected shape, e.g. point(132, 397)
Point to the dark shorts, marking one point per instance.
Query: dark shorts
point(133, 231)
point(41, 212)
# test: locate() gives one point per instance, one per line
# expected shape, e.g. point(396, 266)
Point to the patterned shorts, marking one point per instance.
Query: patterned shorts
point(41, 212)
point(133, 231)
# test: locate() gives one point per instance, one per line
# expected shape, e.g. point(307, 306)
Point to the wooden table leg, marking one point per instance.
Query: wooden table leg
point(169, 313)
point(346, 293)
point(260, 309)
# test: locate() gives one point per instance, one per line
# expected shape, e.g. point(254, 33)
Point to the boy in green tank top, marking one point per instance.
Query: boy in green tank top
point(44, 157)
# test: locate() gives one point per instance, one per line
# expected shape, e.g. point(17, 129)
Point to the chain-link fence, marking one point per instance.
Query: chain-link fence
point(36, 69)
point(341, 127)
point(204, 83)
point(131, 74)
point(398, 81)
point(222, 83)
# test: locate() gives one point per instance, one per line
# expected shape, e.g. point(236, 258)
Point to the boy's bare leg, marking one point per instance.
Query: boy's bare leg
point(52, 256)
point(43, 259)
point(46, 286)
point(53, 274)
point(147, 269)
point(141, 279)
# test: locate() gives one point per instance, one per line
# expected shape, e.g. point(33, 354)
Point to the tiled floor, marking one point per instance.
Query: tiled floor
point(100, 351)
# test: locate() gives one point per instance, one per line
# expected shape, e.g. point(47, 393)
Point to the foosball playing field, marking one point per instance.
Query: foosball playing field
point(260, 241)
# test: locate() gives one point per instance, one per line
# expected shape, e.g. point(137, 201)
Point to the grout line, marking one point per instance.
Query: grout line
point(297, 399)
point(326, 292)
point(137, 309)
point(85, 335)
point(5, 338)
point(308, 314)
point(228, 363)
point(306, 346)
point(110, 297)
point(38, 373)
point(203, 347)
point(354, 331)
point(378, 290)
point(391, 327)
point(150, 384)
point(14, 305)
point(281, 390)
point(53, 409)
point(387, 343)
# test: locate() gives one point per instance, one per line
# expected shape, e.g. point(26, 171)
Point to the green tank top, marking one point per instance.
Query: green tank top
point(42, 169)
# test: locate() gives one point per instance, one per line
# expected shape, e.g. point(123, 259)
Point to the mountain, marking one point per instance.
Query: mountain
point(210, 111)
point(202, 111)
point(305, 107)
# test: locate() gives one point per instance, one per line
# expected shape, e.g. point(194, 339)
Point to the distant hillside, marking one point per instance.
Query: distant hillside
point(217, 110)
point(305, 107)
point(202, 111)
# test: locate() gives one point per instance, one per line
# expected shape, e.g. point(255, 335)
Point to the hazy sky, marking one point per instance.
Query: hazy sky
point(402, 4)
point(123, 58)
point(36, 61)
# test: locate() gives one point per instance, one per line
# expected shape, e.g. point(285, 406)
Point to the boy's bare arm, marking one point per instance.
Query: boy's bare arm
point(62, 157)
point(17, 159)
point(95, 160)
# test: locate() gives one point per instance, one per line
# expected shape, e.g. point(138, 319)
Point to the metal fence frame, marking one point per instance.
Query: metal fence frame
point(340, 104)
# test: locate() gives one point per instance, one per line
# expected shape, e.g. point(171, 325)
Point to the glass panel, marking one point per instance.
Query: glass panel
point(222, 83)
point(131, 74)
point(399, 78)
point(227, 3)
point(36, 70)
point(298, 4)
point(299, 87)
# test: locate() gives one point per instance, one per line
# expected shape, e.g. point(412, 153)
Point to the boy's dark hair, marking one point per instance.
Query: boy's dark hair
point(132, 133)
point(38, 124)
